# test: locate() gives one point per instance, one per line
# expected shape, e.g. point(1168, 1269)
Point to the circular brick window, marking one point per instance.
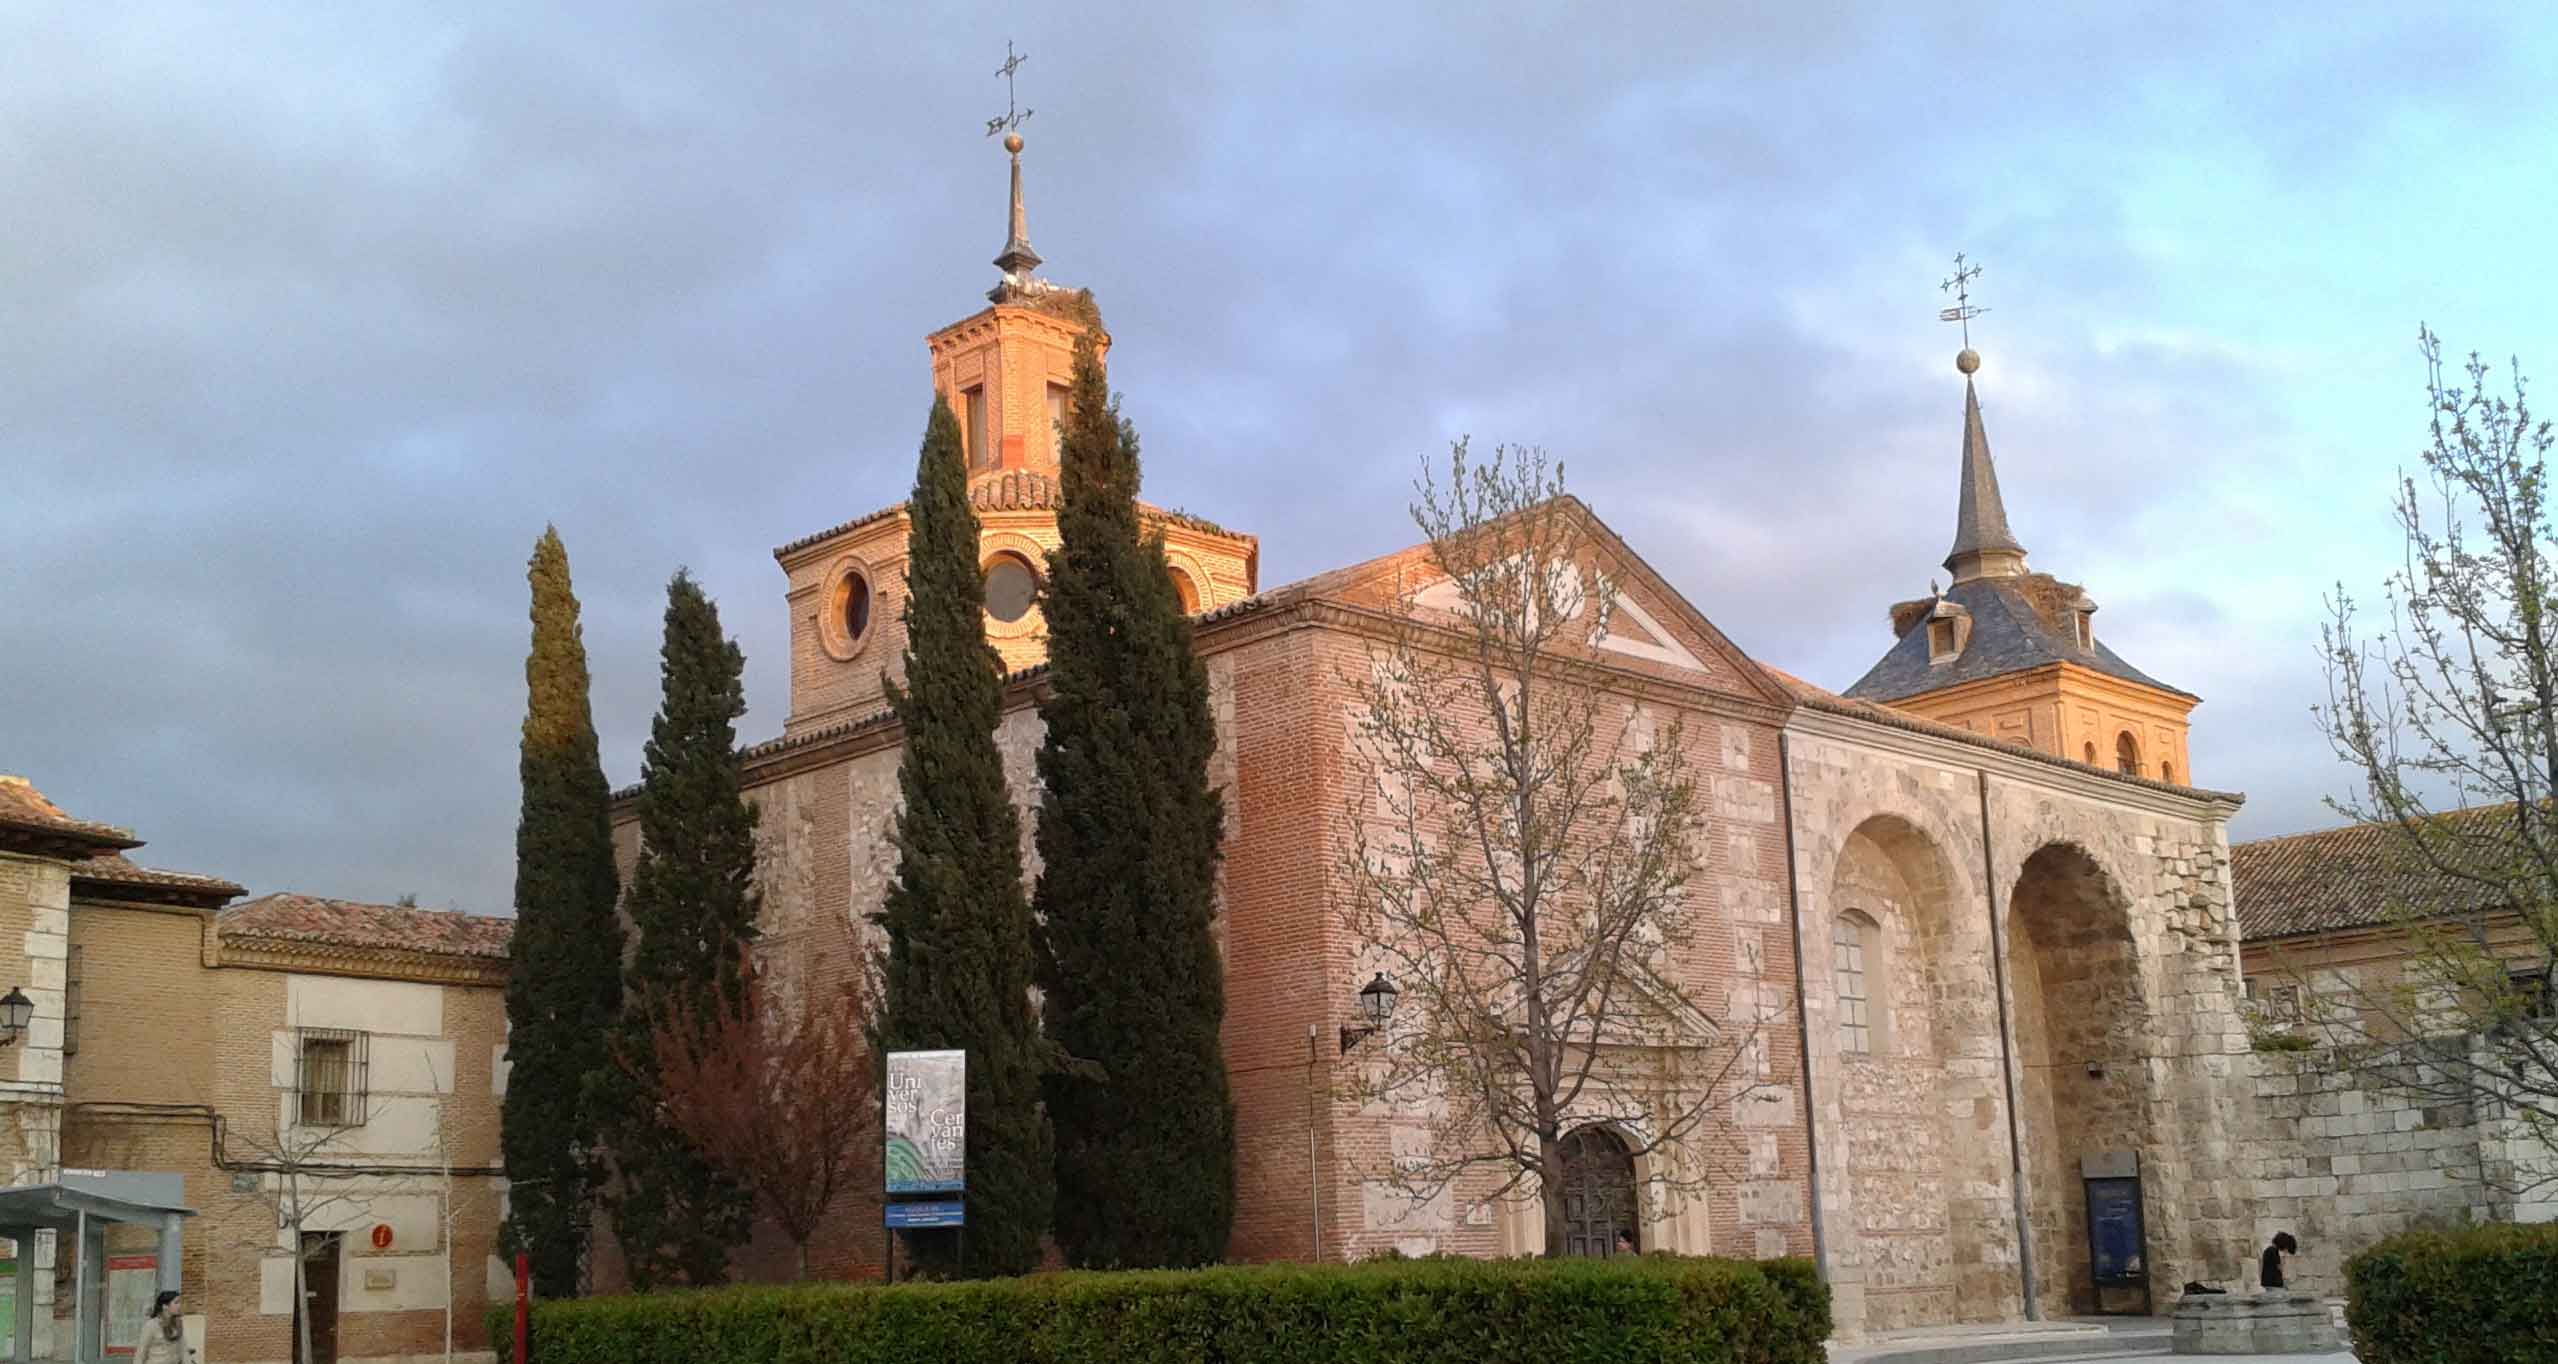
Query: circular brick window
point(1011, 586)
point(850, 609)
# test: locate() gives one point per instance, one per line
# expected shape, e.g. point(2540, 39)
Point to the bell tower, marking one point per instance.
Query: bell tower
point(1005, 370)
point(2014, 654)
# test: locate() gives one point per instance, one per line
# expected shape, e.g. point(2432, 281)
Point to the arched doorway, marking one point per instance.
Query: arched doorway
point(1598, 1192)
point(2080, 1017)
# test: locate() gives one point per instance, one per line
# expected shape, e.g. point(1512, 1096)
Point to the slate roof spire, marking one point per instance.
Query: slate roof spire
point(1983, 545)
point(1017, 260)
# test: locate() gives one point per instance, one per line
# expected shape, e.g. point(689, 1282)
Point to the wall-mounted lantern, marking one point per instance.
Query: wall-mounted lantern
point(16, 1011)
point(1376, 1004)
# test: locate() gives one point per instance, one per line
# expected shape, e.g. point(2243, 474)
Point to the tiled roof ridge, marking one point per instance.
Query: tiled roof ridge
point(289, 916)
point(2348, 876)
point(117, 869)
point(1012, 490)
point(23, 806)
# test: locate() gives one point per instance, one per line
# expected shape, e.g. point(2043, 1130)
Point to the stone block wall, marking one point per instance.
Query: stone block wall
point(2341, 1161)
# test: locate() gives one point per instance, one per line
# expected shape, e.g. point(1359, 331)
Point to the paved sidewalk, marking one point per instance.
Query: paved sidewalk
point(2113, 1340)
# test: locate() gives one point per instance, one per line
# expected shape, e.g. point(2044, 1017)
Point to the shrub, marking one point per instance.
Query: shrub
point(2484, 1295)
point(1652, 1308)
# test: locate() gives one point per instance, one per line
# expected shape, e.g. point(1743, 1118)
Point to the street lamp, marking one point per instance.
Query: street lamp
point(16, 1011)
point(1376, 1004)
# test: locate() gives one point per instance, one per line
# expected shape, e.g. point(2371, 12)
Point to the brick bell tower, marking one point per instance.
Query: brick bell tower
point(1005, 370)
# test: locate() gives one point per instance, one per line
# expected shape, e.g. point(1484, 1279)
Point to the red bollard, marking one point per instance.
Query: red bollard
point(523, 1302)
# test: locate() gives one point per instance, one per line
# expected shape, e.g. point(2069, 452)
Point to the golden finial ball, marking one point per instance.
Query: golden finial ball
point(1968, 361)
point(1012, 143)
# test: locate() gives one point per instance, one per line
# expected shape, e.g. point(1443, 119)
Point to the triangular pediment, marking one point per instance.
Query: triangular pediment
point(1645, 622)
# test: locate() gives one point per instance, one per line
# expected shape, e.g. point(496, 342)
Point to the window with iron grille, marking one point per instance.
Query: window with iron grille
point(71, 1004)
point(329, 1077)
point(1847, 966)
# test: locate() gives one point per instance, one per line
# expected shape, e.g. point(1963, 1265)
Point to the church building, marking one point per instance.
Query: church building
point(1978, 890)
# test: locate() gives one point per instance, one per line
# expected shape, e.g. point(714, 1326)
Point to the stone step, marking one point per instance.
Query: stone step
point(2052, 1342)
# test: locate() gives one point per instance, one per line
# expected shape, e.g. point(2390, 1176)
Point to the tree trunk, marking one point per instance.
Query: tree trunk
point(1550, 1188)
point(800, 1250)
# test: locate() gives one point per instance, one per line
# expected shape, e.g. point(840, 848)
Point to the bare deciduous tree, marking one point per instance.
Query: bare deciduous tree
point(777, 1089)
point(1521, 863)
point(2448, 711)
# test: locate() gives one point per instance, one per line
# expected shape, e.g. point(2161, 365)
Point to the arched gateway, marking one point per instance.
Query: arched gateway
point(1598, 1192)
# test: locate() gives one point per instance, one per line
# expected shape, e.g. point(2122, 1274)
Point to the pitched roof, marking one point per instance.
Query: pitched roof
point(26, 816)
point(287, 918)
point(1811, 697)
point(118, 877)
point(1980, 521)
point(2017, 623)
point(2329, 880)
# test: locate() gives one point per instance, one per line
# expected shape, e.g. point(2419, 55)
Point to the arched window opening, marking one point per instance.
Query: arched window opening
point(1010, 587)
point(2091, 752)
point(1187, 591)
point(2127, 754)
point(852, 606)
point(1849, 937)
point(2166, 772)
point(1598, 1193)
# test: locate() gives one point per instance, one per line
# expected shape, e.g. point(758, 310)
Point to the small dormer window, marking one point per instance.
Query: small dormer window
point(1940, 639)
point(2087, 629)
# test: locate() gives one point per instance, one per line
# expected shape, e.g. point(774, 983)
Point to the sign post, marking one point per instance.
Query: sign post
point(925, 1128)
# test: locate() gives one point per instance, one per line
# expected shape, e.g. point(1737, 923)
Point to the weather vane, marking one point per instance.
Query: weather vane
point(1959, 284)
point(1013, 114)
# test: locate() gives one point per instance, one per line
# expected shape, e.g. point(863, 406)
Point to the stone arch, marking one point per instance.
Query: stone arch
point(2079, 1009)
point(1923, 1160)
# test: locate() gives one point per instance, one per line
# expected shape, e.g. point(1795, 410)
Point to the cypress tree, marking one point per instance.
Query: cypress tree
point(958, 919)
point(1133, 987)
point(692, 907)
point(564, 961)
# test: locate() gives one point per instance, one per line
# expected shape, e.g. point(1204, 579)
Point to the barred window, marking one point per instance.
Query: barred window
point(329, 1077)
point(1847, 967)
point(2127, 754)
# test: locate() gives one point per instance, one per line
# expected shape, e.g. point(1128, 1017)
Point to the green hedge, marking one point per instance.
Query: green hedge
point(1656, 1307)
point(2487, 1295)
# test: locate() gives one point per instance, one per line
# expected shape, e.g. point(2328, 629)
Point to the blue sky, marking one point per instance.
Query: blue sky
point(310, 317)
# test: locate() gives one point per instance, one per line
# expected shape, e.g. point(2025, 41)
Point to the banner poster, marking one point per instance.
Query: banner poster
point(927, 1121)
point(8, 1301)
point(132, 1282)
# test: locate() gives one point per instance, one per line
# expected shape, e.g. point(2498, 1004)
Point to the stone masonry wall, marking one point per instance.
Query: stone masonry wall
point(2340, 1162)
point(2127, 964)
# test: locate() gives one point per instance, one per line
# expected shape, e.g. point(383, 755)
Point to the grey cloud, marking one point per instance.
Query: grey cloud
point(309, 320)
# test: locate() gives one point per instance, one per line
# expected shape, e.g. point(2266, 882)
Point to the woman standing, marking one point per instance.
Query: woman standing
point(164, 1335)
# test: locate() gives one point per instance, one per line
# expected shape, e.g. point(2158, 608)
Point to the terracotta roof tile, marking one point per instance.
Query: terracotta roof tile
point(2329, 880)
point(291, 918)
point(1011, 490)
point(23, 808)
point(114, 871)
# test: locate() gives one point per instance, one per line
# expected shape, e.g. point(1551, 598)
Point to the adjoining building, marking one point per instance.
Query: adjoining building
point(1979, 887)
point(2341, 1157)
point(322, 1077)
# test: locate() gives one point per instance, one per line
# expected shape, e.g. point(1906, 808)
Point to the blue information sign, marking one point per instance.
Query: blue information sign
point(2114, 1230)
point(952, 1213)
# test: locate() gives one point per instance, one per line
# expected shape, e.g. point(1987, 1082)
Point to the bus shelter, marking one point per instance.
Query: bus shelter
point(78, 1209)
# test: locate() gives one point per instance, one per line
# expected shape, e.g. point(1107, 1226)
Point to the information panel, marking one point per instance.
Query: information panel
point(132, 1282)
point(927, 1122)
point(2114, 1230)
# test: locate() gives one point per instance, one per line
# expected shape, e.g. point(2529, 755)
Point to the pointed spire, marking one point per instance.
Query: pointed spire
point(1017, 260)
point(1983, 545)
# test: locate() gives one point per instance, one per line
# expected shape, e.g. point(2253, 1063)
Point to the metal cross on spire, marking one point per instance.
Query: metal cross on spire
point(1959, 284)
point(1014, 115)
